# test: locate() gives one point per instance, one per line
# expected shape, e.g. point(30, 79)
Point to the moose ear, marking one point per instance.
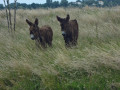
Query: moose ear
point(68, 17)
point(36, 21)
point(59, 19)
point(28, 22)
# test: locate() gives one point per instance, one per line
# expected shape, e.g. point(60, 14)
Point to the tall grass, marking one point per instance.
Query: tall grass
point(93, 64)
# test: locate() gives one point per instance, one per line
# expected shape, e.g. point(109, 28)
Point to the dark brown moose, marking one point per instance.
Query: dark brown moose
point(41, 35)
point(69, 30)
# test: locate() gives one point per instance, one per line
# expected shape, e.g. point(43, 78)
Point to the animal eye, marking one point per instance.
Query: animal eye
point(31, 32)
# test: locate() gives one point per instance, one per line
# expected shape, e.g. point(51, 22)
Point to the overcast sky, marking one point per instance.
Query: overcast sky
point(32, 1)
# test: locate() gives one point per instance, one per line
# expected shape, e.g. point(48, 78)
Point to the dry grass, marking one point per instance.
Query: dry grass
point(98, 49)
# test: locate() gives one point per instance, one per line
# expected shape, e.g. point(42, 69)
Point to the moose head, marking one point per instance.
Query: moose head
point(64, 22)
point(34, 29)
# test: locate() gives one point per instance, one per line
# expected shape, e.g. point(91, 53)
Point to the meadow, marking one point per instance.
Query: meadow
point(94, 64)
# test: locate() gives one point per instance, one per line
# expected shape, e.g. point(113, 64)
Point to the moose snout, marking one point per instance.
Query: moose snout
point(63, 33)
point(32, 36)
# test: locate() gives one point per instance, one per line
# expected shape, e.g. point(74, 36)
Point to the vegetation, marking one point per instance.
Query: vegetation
point(65, 3)
point(93, 65)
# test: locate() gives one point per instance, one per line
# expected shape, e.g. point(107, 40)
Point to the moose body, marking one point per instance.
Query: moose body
point(69, 30)
point(41, 35)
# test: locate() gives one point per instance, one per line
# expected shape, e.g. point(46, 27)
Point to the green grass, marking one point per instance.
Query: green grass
point(93, 64)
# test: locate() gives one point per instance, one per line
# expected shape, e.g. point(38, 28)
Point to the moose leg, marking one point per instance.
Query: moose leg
point(50, 43)
point(37, 43)
point(43, 43)
point(67, 42)
point(74, 41)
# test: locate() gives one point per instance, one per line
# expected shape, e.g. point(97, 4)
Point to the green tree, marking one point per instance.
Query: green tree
point(111, 2)
point(78, 0)
point(48, 3)
point(64, 3)
point(89, 2)
point(55, 4)
point(1, 6)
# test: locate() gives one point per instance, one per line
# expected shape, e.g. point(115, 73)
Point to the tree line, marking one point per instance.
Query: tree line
point(63, 3)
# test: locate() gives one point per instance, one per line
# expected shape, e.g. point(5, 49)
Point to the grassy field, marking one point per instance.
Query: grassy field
point(93, 65)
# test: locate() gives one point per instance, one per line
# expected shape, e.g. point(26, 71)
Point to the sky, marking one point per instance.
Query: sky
point(33, 1)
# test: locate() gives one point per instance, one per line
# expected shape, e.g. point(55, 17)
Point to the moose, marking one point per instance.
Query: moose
point(69, 30)
point(42, 36)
